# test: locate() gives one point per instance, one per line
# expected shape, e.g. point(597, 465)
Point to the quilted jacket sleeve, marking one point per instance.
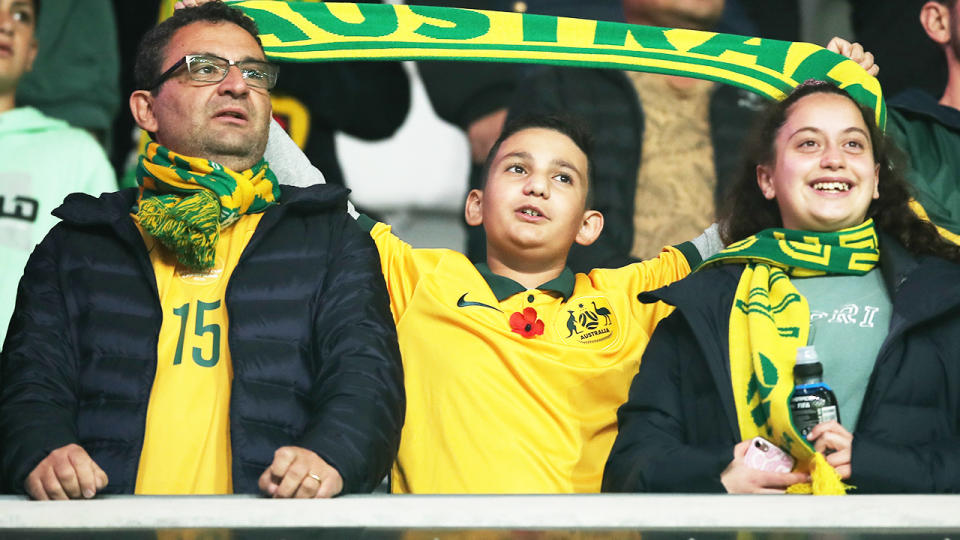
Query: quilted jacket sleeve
point(38, 395)
point(880, 467)
point(651, 452)
point(907, 437)
point(358, 390)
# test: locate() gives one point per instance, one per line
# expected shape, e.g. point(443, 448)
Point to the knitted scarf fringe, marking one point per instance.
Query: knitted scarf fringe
point(824, 480)
point(188, 226)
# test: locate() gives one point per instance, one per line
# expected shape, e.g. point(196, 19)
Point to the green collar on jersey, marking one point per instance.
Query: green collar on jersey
point(504, 287)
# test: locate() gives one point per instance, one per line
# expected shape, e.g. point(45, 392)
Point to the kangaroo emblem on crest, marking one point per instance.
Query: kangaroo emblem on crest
point(572, 324)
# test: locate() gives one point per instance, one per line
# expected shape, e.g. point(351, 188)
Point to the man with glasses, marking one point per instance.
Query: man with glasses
point(210, 332)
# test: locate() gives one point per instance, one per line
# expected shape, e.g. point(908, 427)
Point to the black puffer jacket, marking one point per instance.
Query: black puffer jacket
point(679, 426)
point(606, 100)
point(313, 345)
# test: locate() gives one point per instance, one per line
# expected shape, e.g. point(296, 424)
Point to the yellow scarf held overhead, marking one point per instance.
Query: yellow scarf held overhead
point(330, 31)
point(770, 320)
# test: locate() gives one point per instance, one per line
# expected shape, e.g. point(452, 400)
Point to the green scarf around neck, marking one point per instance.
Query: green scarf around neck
point(185, 201)
point(770, 320)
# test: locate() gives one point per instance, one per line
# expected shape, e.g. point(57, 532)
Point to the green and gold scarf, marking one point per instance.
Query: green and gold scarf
point(185, 201)
point(770, 320)
point(313, 31)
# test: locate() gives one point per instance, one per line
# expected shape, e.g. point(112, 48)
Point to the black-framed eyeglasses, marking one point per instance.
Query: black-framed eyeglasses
point(213, 69)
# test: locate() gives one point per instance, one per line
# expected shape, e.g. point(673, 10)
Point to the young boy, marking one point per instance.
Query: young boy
point(42, 159)
point(514, 369)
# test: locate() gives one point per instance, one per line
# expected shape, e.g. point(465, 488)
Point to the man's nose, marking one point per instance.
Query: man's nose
point(234, 83)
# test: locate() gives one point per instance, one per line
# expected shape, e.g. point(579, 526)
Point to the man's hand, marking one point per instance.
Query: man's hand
point(483, 132)
point(67, 473)
point(836, 443)
point(855, 52)
point(739, 478)
point(295, 472)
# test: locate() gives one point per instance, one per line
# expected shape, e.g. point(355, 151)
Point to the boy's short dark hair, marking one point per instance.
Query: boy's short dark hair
point(153, 46)
point(571, 126)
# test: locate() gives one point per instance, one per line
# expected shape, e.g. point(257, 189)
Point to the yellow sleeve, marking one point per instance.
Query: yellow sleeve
point(670, 265)
point(403, 266)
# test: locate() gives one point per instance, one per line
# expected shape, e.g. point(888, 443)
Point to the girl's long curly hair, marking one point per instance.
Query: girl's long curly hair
point(746, 211)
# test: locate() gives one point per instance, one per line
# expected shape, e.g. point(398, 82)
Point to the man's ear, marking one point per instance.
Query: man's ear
point(765, 181)
point(590, 228)
point(141, 106)
point(473, 212)
point(935, 19)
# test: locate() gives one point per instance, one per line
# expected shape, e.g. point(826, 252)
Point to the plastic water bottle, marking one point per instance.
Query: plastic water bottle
point(813, 401)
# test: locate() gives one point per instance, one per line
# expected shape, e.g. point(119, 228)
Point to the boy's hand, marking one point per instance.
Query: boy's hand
point(298, 472)
point(740, 478)
point(855, 52)
point(836, 443)
point(66, 473)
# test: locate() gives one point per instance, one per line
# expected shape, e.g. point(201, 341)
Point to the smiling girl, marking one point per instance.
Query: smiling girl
point(821, 236)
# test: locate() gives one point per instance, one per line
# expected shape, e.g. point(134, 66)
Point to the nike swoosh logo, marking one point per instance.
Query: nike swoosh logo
point(462, 302)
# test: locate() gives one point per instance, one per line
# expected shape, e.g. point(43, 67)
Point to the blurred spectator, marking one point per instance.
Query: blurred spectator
point(42, 159)
point(890, 31)
point(76, 73)
point(684, 132)
point(929, 130)
point(873, 24)
point(474, 95)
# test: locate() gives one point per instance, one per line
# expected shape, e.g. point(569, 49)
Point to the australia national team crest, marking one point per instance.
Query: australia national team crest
point(589, 320)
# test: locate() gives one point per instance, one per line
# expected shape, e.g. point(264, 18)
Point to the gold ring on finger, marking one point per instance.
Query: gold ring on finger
point(315, 476)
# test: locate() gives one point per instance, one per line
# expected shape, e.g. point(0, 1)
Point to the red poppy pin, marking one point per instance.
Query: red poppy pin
point(526, 323)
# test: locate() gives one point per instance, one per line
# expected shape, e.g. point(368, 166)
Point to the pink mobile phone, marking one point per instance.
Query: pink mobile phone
point(766, 456)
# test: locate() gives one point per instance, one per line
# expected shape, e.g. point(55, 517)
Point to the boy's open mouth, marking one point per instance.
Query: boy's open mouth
point(531, 212)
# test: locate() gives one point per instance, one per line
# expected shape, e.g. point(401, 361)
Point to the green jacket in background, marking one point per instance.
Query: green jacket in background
point(76, 74)
point(929, 134)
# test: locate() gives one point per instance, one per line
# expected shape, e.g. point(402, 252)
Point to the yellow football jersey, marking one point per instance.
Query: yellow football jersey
point(511, 390)
point(186, 447)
